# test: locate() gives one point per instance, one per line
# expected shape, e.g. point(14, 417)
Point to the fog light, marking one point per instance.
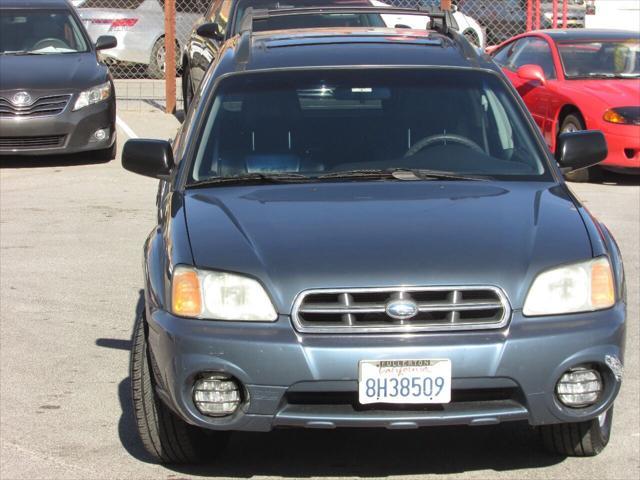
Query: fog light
point(216, 395)
point(579, 387)
point(101, 134)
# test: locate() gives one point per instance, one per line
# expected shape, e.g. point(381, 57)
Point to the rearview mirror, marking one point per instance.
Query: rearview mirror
point(106, 41)
point(151, 158)
point(210, 30)
point(576, 150)
point(532, 72)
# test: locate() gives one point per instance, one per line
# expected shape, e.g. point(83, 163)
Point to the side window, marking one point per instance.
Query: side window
point(222, 18)
point(503, 56)
point(536, 52)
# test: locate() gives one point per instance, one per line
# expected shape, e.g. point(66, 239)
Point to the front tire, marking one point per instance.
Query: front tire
point(107, 154)
point(165, 436)
point(580, 439)
point(573, 123)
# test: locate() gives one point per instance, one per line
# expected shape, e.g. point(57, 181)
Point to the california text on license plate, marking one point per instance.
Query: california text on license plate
point(404, 381)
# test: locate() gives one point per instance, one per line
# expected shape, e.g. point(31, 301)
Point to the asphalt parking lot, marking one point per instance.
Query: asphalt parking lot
point(71, 234)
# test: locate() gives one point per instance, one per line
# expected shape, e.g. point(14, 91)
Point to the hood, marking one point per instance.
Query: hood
point(65, 72)
point(377, 234)
point(615, 92)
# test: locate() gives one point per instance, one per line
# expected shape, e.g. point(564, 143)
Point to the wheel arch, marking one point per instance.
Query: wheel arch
point(567, 109)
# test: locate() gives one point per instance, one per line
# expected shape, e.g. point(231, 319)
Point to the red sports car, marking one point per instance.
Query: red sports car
point(580, 79)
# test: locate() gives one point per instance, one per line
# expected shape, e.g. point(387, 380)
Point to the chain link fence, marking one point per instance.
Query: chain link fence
point(490, 22)
point(138, 62)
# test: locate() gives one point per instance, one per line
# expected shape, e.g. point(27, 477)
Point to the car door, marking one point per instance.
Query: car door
point(203, 50)
point(537, 96)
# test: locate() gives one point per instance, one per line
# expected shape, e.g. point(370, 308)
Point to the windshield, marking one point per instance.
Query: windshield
point(600, 58)
point(39, 32)
point(322, 122)
point(309, 21)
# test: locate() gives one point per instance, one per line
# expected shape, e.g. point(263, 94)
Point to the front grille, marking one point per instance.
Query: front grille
point(49, 105)
point(365, 310)
point(351, 399)
point(31, 143)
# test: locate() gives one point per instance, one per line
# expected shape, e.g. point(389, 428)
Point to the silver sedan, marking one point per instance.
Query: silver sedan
point(139, 27)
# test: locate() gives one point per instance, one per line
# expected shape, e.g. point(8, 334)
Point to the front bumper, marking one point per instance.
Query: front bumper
point(291, 379)
point(624, 149)
point(64, 133)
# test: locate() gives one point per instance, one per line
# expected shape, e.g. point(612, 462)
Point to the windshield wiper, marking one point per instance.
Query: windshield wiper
point(427, 174)
point(252, 178)
point(360, 173)
point(401, 174)
point(18, 52)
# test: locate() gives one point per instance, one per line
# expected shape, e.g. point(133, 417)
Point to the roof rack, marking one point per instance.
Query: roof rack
point(440, 20)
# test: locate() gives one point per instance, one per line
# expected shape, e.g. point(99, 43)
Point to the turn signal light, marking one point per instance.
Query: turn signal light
point(612, 116)
point(186, 298)
point(602, 291)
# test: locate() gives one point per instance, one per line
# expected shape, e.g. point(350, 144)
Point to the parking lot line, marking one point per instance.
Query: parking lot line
point(125, 128)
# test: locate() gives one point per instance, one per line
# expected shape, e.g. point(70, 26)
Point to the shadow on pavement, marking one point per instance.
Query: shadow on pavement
point(374, 453)
point(127, 430)
point(613, 178)
point(299, 453)
point(48, 161)
point(115, 343)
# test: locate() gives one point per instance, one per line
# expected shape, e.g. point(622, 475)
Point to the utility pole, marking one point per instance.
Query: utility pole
point(170, 55)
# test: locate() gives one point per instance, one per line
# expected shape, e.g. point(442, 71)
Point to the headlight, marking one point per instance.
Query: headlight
point(623, 115)
point(580, 287)
point(93, 95)
point(219, 296)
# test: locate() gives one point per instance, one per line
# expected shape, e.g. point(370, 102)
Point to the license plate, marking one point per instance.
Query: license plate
point(404, 381)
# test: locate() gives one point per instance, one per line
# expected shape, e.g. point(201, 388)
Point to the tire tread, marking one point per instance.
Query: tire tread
point(579, 439)
point(166, 437)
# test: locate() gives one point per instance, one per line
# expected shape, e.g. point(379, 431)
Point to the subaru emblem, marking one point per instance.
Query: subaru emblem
point(21, 99)
point(401, 308)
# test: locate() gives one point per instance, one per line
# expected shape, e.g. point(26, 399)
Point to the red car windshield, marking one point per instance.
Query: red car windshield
point(601, 58)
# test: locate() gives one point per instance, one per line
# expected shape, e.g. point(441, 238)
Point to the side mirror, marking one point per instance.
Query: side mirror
point(151, 158)
point(210, 30)
point(106, 41)
point(576, 150)
point(532, 72)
